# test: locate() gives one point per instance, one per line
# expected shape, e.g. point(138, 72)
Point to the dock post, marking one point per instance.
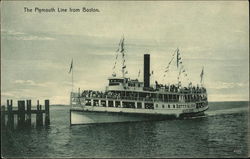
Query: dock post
point(21, 113)
point(10, 122)
point(47, 116)
point(28, 114)
point(2, 116)
point(18, 113)
point(38, 118)
point(40, 115)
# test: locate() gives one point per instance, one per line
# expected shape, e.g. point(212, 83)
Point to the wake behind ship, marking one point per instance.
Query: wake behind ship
point(126, 100)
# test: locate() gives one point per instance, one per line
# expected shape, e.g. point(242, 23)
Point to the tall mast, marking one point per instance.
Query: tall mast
point(180, 69)
point(123, 57)
point(122, 51)
point(168, 66)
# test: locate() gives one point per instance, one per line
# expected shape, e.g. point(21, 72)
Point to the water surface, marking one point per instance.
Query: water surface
point(222, 133)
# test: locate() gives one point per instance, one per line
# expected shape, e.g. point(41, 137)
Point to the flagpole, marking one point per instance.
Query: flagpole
point(72, 77)
point(72, 80)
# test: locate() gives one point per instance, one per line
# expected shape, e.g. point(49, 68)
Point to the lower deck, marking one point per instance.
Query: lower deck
point(105, 104)
point(105, 110)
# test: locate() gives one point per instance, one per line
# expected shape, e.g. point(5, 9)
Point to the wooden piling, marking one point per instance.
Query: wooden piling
point(28, 114)
point(2, 116)
point(47, 116)
point(37, 113)
point(21, 113)
point(40, 116)
point(10, 122)
point(24, 114)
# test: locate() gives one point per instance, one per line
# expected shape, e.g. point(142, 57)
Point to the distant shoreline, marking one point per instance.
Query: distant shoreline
point(61, 105)
point(227, 101)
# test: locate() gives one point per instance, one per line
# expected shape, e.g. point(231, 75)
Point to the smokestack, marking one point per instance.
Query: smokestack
point(146, 70)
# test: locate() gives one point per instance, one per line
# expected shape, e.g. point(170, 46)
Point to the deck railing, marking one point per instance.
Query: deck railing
point(141, 99)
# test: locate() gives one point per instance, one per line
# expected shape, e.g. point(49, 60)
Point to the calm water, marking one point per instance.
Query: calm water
point(223, 133)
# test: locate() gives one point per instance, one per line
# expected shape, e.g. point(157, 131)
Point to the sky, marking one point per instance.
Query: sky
point(37, 48)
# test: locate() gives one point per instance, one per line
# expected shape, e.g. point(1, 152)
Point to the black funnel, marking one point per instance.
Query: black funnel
point(146, 70)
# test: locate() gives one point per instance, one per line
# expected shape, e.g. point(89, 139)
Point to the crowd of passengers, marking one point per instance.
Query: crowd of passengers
point(174, 88)
point(98, 94)
point(130, 95)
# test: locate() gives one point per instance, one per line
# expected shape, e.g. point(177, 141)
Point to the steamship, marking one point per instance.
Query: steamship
point(127, 100)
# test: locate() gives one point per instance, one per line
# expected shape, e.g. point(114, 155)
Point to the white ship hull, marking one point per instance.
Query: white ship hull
point(95, 115)
point(82, 117)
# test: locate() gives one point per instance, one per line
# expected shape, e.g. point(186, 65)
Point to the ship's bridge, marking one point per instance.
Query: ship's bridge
point(116, 81)
point(119, 83)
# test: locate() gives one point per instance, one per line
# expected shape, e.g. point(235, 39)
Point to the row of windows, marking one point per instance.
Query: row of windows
point(139, 104)
point(116, 80)
point(163, 106)
point(118, 104)
point(183, 106)
point(200, 105)
point(177, 106)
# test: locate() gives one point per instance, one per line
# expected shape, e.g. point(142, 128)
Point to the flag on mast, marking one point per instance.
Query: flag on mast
point(122, 45)
point(178, 58)
point(71, 66)
point(202, 73)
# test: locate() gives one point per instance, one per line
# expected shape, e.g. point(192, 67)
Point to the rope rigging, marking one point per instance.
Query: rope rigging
point(121, 50)
point(180, 67)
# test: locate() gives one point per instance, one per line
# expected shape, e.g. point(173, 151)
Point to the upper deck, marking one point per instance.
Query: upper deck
point(162, 94)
